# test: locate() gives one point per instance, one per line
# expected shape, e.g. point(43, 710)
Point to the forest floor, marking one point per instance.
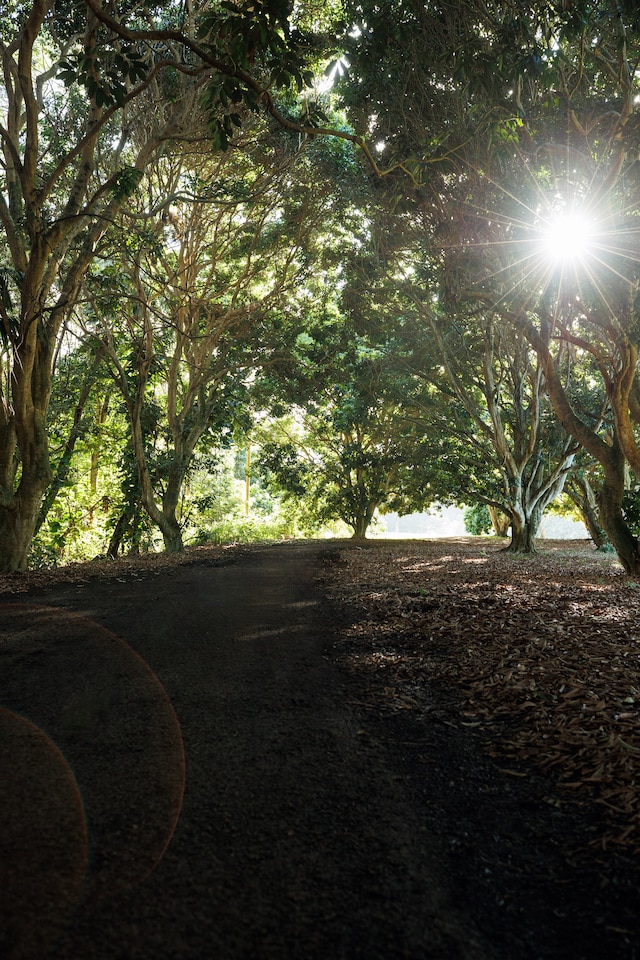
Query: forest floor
point(324, 750)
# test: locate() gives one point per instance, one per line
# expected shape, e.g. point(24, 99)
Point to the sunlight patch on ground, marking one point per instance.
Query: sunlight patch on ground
point(413, 565)
point(377, 659)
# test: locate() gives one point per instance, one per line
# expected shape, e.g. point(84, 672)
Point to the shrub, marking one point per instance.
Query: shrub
point(477, 519)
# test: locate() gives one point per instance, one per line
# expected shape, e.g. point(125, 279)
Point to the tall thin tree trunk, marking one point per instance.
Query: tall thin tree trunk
point(118, 534)
point(102, 410)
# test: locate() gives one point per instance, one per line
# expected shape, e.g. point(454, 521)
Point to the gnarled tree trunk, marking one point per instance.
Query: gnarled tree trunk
point(608, 452)
point(361, 524)
point(17, 525)
point(612, 519)
point(525, 526)
point(582, 494)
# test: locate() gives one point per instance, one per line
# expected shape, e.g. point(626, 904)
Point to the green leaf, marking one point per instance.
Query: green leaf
point(128, 181)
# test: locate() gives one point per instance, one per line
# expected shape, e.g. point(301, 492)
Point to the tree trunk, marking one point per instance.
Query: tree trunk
point(499, 521)
point(524, 530)
point(17, 525)
point(19, 505)
point(620, 536)
point(523, 540)
point(595, 531)
point(581, 492)
point(608, 454)
point(164, 517)
point(361, 523)
point(168, 521)
point(118, 534)
point(128, 530)
point(172, 536)
point(360, 529)
point(25, 452)
point(102, 410)
point(165, 520)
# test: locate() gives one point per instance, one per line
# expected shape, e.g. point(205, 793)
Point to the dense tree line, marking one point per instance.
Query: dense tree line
point(323, 235)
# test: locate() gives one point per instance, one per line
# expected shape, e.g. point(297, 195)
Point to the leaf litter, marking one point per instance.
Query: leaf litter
point(541, 652)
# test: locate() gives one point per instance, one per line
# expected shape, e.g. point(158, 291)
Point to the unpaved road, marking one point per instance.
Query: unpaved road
point(188, 774)
point(294, 837)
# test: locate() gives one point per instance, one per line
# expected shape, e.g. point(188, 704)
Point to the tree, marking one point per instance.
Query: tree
point(179, 309)
point(483, 390)
point(499, 408)
point(575, 146)
point(509, 453)
point(348, 451)
point(526, 114)
point(349, 442)
point(71, 156)
point(477, 519)
point(77, 384)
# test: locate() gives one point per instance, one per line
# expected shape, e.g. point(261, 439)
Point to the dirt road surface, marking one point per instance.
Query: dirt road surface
point(187, 774)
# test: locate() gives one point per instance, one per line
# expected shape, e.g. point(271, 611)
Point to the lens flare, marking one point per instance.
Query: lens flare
point(568, 237)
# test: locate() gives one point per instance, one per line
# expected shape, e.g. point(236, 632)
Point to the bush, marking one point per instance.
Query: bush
point(246, 530)
point(477, 519)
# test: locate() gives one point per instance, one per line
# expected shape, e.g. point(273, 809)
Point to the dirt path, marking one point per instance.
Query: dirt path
point(190, 770)
point(295, 835)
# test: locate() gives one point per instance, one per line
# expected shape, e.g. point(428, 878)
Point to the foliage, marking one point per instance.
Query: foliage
point(631, 510)
point(351, 447)
point(196, 303)
point(398, 330)
point(219, 512)
point(477, 519)
point(92, 97)
point(513, 119)
point(477, 389)
point(248, 530)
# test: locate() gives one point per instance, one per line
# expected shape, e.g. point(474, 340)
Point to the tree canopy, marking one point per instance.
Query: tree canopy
point(400, 238)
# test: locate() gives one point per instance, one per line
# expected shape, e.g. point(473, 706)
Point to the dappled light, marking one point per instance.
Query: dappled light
point(416, 565)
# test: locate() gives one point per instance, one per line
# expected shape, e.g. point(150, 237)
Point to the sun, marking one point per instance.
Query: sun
point(568, 237)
